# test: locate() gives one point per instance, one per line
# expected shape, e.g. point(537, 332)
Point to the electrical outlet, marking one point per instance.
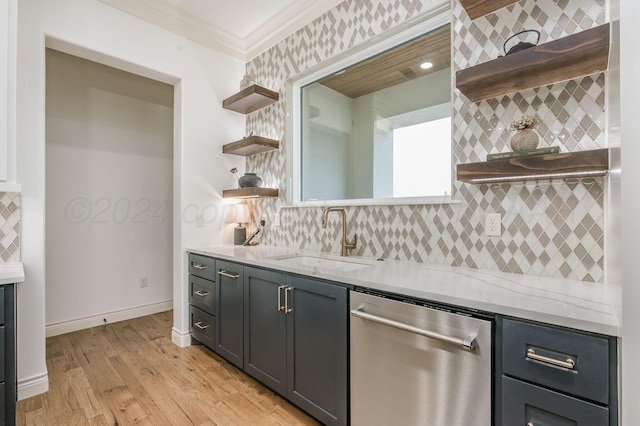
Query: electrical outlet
point(276, 220)
point(493, 224)
point(199, 221)
point(144, 282)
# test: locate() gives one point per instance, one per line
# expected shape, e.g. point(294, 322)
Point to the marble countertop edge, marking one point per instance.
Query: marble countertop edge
point(11, 273)
point(568, 303)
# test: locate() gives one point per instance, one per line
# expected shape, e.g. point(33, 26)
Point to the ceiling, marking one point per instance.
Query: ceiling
point(394, 66)
point(242, 28)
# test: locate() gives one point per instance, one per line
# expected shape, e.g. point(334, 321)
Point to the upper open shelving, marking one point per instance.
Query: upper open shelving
point(591, 163)
point(478, 8)
point(252, 192)
point(563, 59)
point(250, 99)
point(250, 145)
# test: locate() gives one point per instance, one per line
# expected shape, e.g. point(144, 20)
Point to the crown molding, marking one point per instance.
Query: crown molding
point(278, 27)
point(168, 17)
point(285, 23)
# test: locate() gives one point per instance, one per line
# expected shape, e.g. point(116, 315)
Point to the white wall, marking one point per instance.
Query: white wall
point(4, 79)
point(109, 192)
point(630, 152)
point(7, 92)
point(202, 78)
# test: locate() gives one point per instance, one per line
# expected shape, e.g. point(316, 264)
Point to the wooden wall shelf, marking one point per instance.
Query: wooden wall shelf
point(478, 8)
point(250, 99)
point(580, 164)
point(250, 145)
point(563, 59)
point(250, 193)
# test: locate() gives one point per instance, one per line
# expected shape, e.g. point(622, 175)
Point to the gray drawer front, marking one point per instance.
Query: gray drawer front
point(202, 293)
point(202, 266)
point(232, 270)
point(589, 378)
point(527, 404)
point(202, 326)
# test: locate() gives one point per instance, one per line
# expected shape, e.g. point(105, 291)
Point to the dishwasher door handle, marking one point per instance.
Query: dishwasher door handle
point(468, 343)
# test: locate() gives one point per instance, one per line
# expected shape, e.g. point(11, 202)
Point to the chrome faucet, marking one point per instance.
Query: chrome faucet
point(346, 245)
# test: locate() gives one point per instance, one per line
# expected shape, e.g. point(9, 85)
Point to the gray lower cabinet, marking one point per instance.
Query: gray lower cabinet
point(555, 377)
point(7, 355)
point(289, 332)
point(296, 340)
point(317, 348)
point(202, 299)
point(528, 404)
point(230, 305)
point(265, 328)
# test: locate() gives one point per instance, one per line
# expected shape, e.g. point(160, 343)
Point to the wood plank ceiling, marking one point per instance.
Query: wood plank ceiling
point(395, 66)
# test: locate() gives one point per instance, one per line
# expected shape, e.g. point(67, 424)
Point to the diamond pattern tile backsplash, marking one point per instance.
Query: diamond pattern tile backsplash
point(552, 229)
point(9, 227)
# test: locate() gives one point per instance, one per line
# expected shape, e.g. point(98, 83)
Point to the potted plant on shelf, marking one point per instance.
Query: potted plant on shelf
point(525, 137)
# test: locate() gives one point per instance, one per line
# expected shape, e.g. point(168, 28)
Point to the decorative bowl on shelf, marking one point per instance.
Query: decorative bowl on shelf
point(250, 180)
point(524, 137)
point(524, 140)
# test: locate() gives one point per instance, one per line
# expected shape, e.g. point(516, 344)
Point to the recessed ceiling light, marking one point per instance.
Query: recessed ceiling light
point(426, 65)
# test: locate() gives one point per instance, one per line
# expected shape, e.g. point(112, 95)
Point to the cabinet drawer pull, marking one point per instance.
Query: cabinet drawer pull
point(280, 307)
point(228, 275)
point(201, 325)
point(201, 293)
point(569, 363)
point(530, 424)
point(287, 309)
point(200, 266)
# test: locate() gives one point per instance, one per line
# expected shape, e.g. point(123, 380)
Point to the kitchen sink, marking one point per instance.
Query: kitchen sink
point(323, 262)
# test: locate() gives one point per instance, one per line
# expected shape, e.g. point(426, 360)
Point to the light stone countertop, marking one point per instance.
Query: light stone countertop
point(11, 273)
point(568, 303)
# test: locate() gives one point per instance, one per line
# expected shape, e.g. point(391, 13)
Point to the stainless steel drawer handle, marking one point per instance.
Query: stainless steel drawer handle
point(468, 343)
point(201, 293)
point(280, 307)
point(569, 363)
point(201, 325)
point(200, 266)
point(228, 275)
point(287, 309)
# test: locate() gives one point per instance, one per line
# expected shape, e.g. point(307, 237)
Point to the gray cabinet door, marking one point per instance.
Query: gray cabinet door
point(8, 386)
point(265, 327)
point(317, 342)
point(229, 329)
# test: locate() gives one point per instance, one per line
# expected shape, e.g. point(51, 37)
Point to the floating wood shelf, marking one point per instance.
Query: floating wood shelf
point(478, 8)
point(250, 145)
point(250, 99)
point(569, 57)
point(580, 164)
point(250, 192)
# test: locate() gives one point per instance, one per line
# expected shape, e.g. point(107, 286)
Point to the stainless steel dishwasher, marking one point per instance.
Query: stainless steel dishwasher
point(418, 364)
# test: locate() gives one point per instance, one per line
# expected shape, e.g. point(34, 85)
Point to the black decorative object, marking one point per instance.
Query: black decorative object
point(522, 45)
point(250, 180)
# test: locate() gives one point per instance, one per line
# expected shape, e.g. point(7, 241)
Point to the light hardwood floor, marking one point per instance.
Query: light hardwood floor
point(131, 373)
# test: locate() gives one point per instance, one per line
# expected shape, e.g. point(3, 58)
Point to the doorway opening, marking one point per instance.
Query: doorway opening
point(109, 194)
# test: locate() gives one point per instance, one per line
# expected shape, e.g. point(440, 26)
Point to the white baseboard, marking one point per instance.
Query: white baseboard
point(32, 386)
point(181, 339)
point(115, 316)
